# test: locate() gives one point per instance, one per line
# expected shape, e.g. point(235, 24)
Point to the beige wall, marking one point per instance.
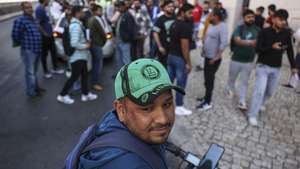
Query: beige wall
point(293, 7)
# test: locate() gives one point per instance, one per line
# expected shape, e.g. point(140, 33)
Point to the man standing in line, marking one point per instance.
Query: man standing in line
point(47, 39)
point(244, 40)
point(272, 42)
point(98, 39)
point(215, 42)
point(161, 30)
point(26, 34)
point(259, 19)
point(179, 63)
point(125, 30)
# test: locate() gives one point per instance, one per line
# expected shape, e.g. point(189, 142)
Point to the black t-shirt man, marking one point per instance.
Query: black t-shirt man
point(259, 21)
point(162, 27)
point(180, 30)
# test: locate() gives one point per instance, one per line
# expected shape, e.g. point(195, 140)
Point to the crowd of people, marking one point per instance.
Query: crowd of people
point(166, 31)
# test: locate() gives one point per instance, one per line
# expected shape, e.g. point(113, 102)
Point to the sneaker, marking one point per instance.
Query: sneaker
point(253, 121)
point(242, 106)
point(200, 99)
point(48, 75)
point(65, 99)
point(182, 111)
point(97, 87)
point(68, 74)
point(262, 108)
point(57, 71)
point(204, 106)
point(230, 94)
point(89, 97)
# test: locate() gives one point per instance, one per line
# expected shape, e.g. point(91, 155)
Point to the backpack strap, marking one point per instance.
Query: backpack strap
point(126, 141)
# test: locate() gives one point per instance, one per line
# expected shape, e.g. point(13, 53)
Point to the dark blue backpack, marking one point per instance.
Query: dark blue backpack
point(118, 139)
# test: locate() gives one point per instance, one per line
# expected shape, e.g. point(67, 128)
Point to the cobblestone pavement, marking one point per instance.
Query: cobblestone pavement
point(275, 144)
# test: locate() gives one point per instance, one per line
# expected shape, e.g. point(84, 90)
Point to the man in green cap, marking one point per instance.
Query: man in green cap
point(144, 112)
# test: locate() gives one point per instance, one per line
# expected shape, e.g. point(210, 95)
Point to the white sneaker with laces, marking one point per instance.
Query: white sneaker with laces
point(253, 121)
point(65, 99)
point(89, 97)
point(204, 106)
point(182, 111)
point(57, 71)
point(48, 75)
point(242, 106)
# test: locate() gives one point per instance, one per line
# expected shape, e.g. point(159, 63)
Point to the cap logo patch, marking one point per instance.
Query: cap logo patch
point(150, 72)
point(145, 97)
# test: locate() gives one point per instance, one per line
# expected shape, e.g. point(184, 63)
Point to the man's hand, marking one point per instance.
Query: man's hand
point(212, 61)
point(188, 67)
point(162, 50)
point(294, 71)
point(277, 46)
point(88, 45)
point(252, 43)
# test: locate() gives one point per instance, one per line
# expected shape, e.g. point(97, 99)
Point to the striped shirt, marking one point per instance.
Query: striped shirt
point(26, 33)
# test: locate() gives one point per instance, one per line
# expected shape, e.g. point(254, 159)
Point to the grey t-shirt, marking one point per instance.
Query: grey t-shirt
point(216, 39)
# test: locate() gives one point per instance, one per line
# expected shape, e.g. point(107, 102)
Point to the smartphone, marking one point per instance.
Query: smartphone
point(212, 157)
point(191, 158)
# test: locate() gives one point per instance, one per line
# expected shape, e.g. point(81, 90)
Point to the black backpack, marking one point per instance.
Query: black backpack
point(66, 41)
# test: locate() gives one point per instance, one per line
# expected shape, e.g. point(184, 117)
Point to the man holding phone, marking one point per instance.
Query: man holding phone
point(271, 44)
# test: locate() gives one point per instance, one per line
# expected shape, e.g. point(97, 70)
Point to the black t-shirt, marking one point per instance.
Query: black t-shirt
point(259, 21)
point(162, 27)
point(180, 30)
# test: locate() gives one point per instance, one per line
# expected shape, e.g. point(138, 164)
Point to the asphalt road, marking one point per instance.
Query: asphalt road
point(38, 133)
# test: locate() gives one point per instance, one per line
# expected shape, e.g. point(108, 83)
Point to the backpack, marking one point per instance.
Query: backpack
point(66, 41)
point(232, 42)
point(89, 141)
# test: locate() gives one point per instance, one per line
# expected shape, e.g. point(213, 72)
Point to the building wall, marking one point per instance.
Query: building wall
point(292, 6)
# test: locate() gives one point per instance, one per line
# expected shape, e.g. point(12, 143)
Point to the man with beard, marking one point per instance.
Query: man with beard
point(215, 42)
point(272, 42)
point(162, 31)
point(140, 123)
point(179, 63)
point(244, 40)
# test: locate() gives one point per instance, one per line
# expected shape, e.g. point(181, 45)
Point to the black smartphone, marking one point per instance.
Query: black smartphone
point(212, 157)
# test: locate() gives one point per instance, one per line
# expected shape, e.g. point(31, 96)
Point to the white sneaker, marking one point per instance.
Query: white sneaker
point(253, 121)
point(182, 111)
point(204, 106)
point(48, 75)
point(57, 71)
point(68, 74)
point(242, 106)
point(65, 99)
point(89, 97)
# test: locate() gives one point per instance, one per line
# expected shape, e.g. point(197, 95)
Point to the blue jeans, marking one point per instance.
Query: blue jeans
point(31, 62)
point(266, 81)
point(123, 53)
point(97, 63)
point(176, 69)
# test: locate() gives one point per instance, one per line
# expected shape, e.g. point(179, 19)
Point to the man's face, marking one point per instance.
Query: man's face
point(99, 12)
point(249, 19)
point(188, 15)
point(152, 123)
point(213, 18)
point(149, 3)
point(27, 8)
point(169, 9)
point(205, 7)
point(279, 23)
point(46, 2)
point(137, 4)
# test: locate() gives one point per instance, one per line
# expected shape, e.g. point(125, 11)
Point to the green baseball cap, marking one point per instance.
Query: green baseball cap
point(142, 81)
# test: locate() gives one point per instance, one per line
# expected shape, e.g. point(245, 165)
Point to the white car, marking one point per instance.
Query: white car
point(108, 48)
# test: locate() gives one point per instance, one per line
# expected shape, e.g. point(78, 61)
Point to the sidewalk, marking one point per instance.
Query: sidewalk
point(275, 144)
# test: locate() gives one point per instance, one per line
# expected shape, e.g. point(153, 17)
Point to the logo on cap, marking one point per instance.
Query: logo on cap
point(150, 72)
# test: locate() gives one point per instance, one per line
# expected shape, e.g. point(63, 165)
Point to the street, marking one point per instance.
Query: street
point(37, 133)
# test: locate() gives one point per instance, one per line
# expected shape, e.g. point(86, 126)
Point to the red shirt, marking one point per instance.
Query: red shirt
point(269, 20)
point(197, 13)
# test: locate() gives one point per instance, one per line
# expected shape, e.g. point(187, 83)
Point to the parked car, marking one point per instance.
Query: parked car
point(108, 48)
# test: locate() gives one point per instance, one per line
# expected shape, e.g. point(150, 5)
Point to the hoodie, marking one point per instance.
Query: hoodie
point(114, 158)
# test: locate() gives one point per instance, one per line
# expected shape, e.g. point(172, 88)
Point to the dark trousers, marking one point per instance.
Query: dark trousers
point(298, 63)
point(137, 49)
point(163, 59)
point(48, 45)
point(79, 68)
point(209, 77)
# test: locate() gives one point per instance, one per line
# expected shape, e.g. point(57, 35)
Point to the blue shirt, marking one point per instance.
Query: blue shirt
point(43, 19)
point(26, 33)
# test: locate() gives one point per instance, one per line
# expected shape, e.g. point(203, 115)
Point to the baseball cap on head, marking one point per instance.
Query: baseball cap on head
point(142, 81)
